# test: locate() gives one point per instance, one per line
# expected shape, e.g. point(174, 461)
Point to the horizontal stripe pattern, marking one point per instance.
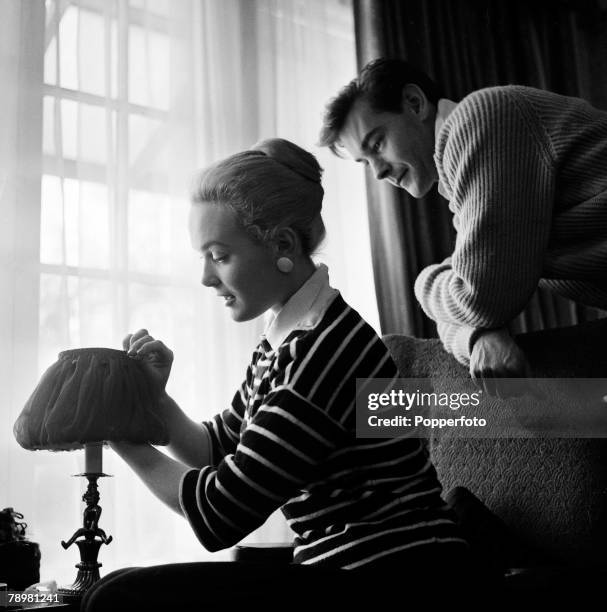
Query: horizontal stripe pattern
point(288, 440)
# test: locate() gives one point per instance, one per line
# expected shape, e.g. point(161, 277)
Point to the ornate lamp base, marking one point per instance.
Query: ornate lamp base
point(92, 539)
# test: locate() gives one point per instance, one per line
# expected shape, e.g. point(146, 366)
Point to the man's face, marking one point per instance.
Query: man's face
point(399, 147)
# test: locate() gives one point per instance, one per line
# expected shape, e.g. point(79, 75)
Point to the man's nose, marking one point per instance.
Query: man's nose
point(209, 279)
point(381, 169)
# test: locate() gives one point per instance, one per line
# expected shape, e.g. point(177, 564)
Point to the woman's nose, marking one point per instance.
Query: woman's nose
point(209, 279)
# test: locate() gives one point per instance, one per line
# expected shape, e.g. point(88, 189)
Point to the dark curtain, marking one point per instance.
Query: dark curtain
point(466, 45)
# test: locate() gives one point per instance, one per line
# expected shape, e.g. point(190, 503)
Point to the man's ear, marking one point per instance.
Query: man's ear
point(414, 99)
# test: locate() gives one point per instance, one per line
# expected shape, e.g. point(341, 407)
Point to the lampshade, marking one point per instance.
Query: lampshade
point(90, 395)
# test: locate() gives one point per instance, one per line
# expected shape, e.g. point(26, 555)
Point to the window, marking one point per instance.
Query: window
point(112, 220)
point(132, 96)
point(114, 252)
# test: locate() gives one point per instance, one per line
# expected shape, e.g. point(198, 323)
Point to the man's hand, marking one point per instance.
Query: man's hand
point(156, 357)
point(496, 355)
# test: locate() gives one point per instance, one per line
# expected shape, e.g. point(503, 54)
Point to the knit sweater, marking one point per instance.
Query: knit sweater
point(525, 171)
point(288, 440)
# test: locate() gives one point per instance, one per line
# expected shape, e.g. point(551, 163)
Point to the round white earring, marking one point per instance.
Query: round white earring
point(284, 264)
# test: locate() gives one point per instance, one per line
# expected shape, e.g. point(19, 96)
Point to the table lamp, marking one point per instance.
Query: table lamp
point(87, 397)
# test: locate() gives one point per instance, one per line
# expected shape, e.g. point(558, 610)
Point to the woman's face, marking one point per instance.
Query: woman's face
point(242, 271)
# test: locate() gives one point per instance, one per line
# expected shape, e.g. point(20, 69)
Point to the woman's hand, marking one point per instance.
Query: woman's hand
point(495, 355)
point(189, 441)
point(157, 358)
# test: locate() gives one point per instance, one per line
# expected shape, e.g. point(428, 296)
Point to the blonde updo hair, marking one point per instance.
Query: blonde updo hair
point(273, 185)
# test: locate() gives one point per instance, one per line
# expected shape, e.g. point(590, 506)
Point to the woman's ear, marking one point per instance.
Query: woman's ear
point(286, 243)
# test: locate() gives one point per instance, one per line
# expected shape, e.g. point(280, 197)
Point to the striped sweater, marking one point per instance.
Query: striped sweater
point(525, 171)
point(288, 440)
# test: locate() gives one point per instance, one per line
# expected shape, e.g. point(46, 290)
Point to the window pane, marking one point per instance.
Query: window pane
point(91, 52)
point(51, 221)
point(83, 134)
point(74, 223)
point(158, 237)
point(145, 139)
point(94, 299)
point(82, 50)
point(149, 233)
point(54, 319)
point(149, 75)
point(149, 145)
point(93, 221)
point(185, 260)
point(159, 7)
point(168, 313)
point(74, 312)
point(68, 48)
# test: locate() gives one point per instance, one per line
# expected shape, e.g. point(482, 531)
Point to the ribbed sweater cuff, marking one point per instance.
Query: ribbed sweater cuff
point(474, 334)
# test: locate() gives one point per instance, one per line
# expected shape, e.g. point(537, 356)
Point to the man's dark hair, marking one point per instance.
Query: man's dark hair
point(381, 83)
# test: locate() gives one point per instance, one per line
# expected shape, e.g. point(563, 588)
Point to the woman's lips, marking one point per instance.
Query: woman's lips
point(228, 298)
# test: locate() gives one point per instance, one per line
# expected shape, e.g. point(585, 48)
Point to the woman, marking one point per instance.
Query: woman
point(288, 439)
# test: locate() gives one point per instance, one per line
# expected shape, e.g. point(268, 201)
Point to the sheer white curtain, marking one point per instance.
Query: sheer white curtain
point(109, 107)
point(20, 169)
point(305, 53)
point(272, 76)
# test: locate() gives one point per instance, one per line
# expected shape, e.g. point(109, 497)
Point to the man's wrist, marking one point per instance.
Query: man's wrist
point(474, 336)
point(481, 331)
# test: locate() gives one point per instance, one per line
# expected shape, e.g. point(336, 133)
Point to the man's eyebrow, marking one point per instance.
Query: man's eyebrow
point(364, 145)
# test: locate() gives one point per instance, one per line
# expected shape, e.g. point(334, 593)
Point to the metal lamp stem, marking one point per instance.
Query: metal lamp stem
point(89, 539)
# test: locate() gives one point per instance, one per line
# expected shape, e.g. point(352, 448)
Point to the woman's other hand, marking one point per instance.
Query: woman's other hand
point(156, 357)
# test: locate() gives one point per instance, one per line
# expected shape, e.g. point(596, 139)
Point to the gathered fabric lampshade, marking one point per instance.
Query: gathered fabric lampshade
point(87, 397)
point(90, 395)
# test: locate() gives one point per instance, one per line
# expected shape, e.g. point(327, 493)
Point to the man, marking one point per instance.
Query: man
point(525, 173)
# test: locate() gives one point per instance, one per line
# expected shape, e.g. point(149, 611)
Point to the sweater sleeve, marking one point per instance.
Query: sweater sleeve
point(224, 428)
point(496, 165)
point(278, 454)
point(584, 292)
point(457, 339)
